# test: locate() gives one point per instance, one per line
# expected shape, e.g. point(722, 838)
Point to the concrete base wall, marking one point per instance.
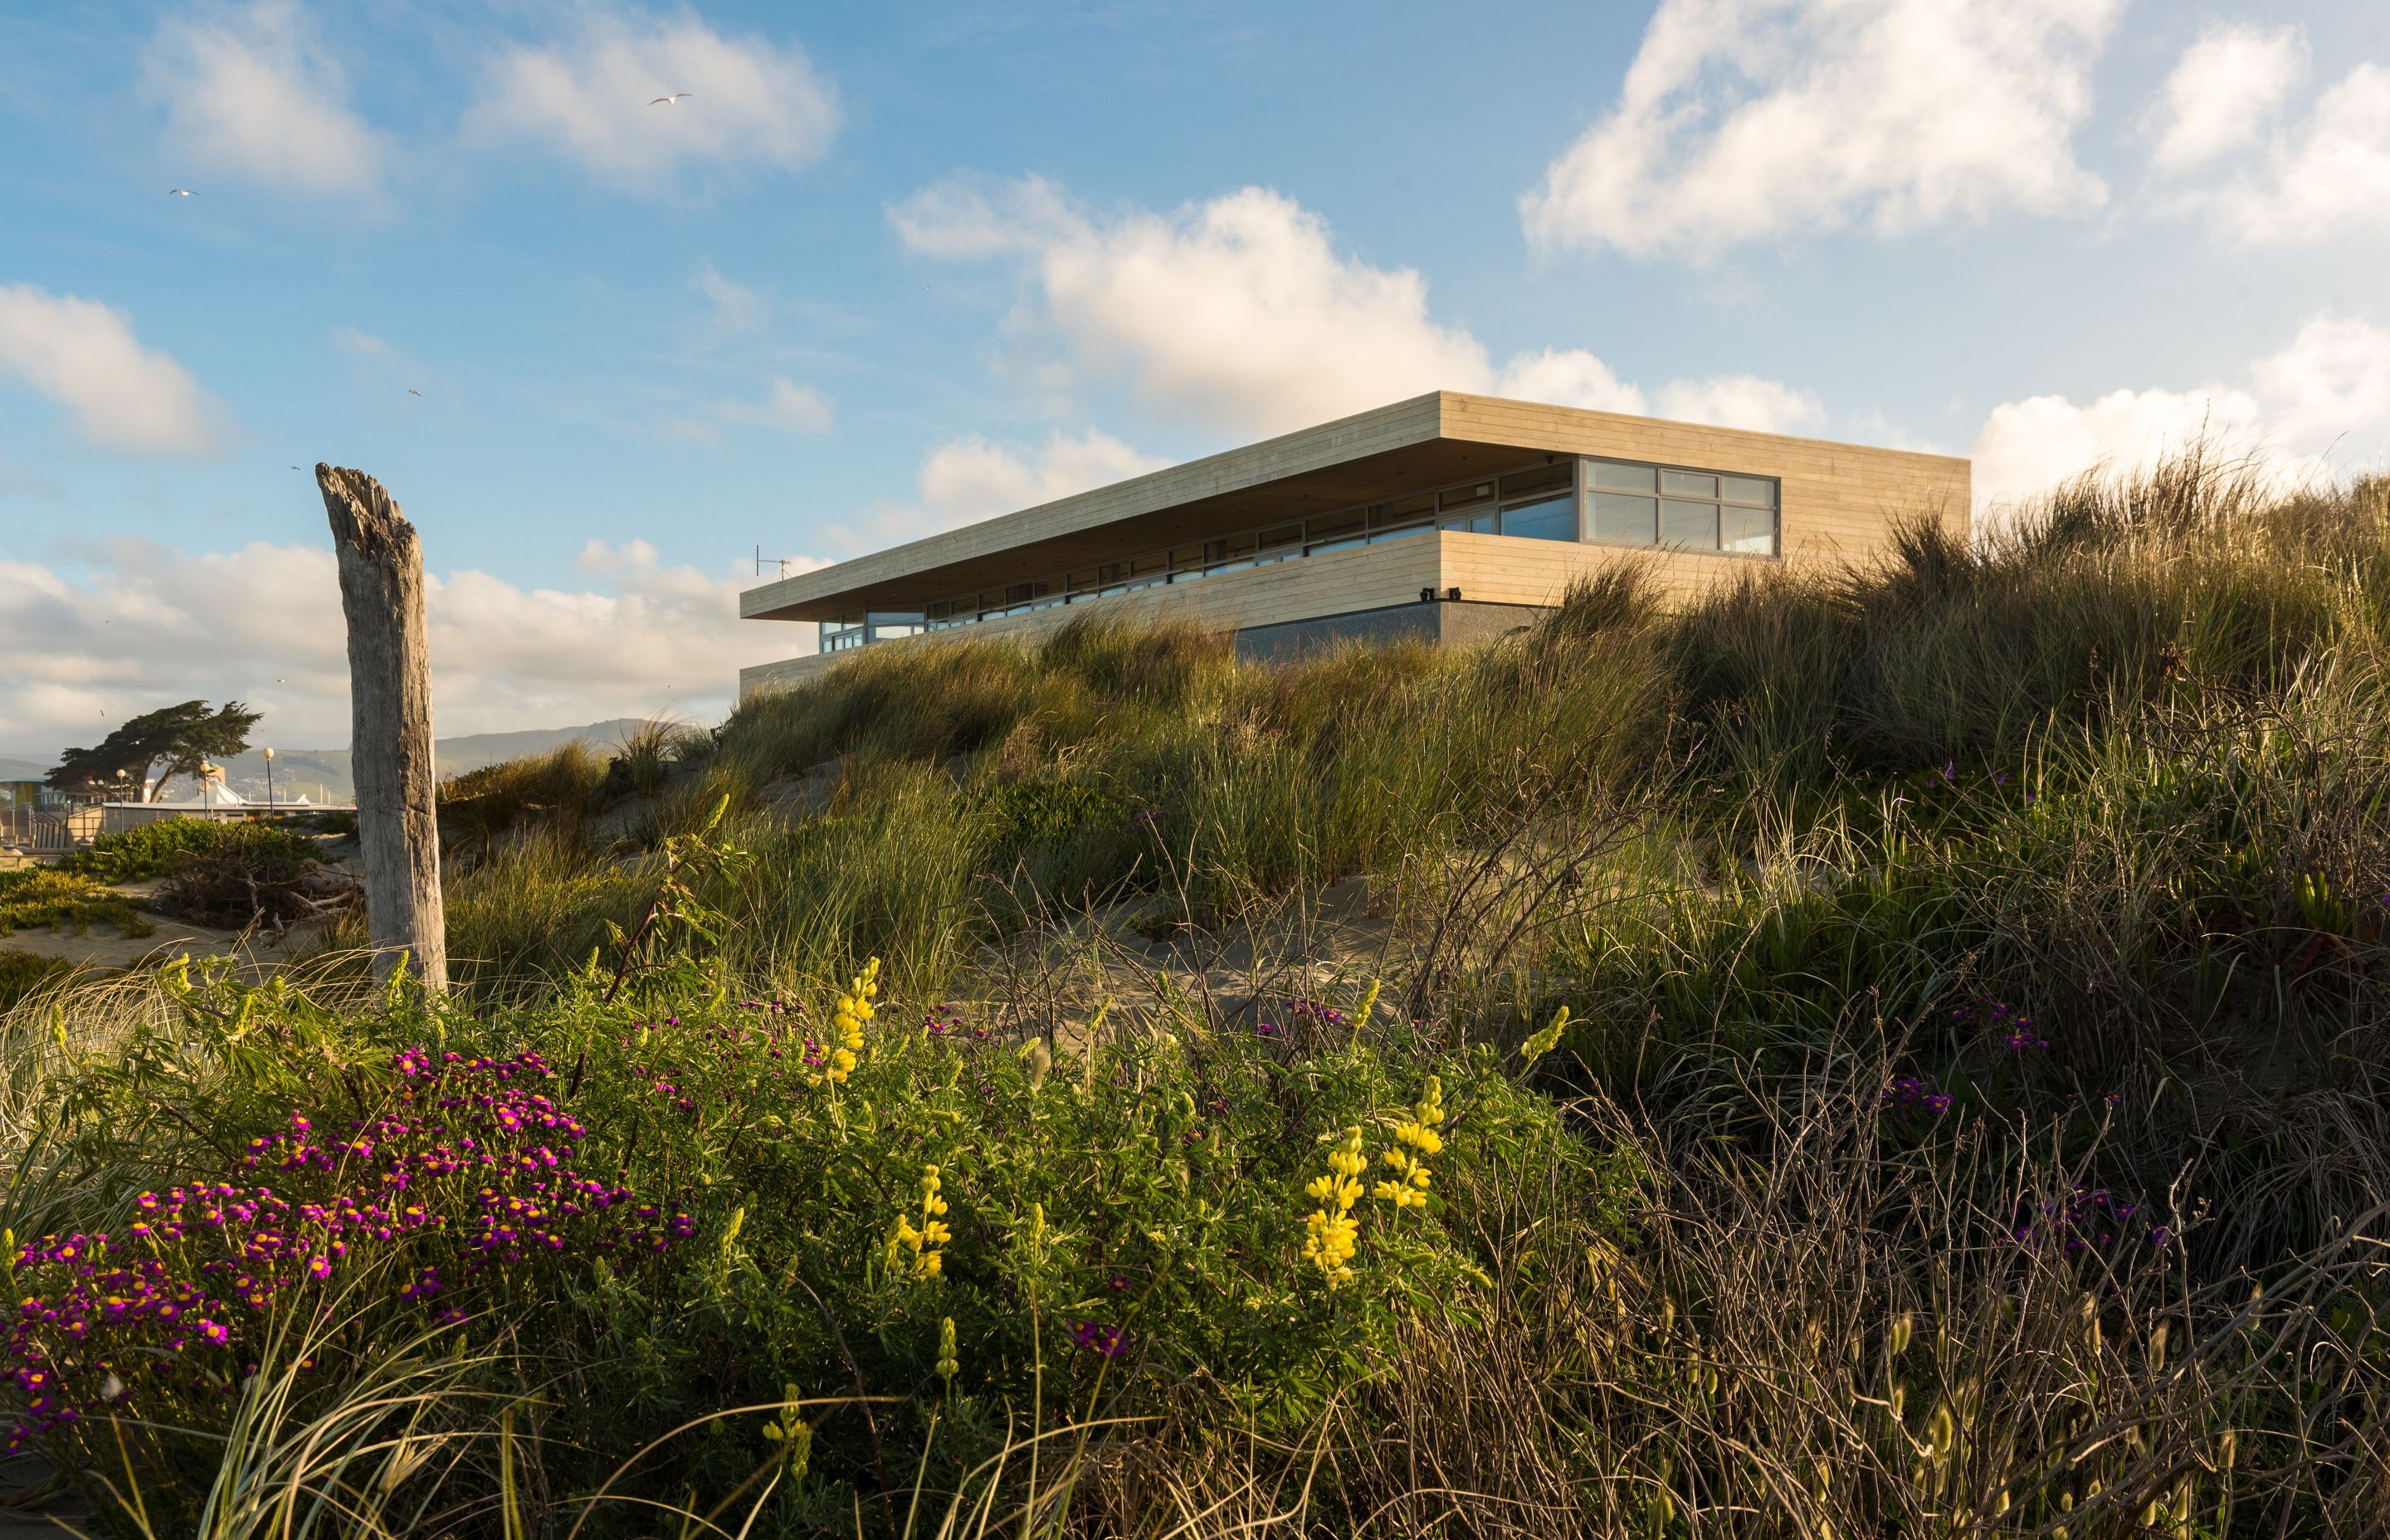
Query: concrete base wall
point(1443, 622)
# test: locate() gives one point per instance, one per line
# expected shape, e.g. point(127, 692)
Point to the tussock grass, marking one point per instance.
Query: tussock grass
point(1970, 1117)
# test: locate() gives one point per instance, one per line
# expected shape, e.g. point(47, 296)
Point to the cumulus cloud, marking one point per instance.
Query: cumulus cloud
point(250, 91)
point(972, 478)
point(142, 623)
point(1742, 401)
point(2322, 403)
point(2324, 175)
point(2226, 88)
point(119, 394)
point(1242, 312)
point(1745, 119)
point(751, 102)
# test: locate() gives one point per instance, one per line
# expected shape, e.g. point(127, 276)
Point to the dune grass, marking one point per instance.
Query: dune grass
point(1907, 1045)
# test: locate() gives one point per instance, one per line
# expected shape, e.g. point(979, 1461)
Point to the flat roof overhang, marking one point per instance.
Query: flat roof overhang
point(1429, 440)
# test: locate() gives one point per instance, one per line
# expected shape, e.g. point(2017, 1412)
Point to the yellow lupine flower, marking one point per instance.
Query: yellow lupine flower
point(1330, 1233)
point(917, 1248)
point(1407, 1188)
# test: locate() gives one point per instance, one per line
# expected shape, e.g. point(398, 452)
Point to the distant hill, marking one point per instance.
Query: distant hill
point(322, 774)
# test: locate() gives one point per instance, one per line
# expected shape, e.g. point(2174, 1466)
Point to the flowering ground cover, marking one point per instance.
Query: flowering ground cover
point(1872, 1053)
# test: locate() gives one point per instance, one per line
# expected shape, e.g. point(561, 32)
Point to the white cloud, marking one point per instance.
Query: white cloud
point(969, 478)
point(250, 91)
point(2330, 387)
point(1743, 120)
point(83, 355)
point(1569, 376)
point(736, 308)
point(143, 623)
point(2324, 176)
point(2224, 91)
point(1242, 314)
point(751, 102)
point(2322, 403)
point(787, 407)
point(1742, 401)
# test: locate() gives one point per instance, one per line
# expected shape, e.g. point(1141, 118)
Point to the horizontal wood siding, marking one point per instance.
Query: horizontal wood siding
point(1840, 500)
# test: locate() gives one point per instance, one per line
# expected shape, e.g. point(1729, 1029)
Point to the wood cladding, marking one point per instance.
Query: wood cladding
point(1838, 501)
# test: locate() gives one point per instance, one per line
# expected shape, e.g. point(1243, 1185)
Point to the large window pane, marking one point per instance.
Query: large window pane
point(1748, 489)
point(1692, 526)
point(1751, 531)
point(1686, 484)
point(1469, 497)
point(1419, 509)
point(1627, 520)
point(1553, 519)
point(1534, 487)
point(1336, 526)
point(1610, 476)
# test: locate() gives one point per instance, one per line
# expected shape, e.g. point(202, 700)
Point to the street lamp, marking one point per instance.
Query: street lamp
point(207, 779)
point(269, 780)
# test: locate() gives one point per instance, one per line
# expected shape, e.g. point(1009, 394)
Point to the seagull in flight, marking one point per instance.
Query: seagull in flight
point(178, 192)
point(667, 101)
point(413, 391)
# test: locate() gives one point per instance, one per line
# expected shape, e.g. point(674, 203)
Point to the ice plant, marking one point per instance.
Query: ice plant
point(1330, 1233)
point(469, 1176)
point(1415, 1140)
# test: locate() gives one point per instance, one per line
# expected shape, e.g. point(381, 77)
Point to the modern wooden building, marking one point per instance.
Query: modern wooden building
point(1447, 517)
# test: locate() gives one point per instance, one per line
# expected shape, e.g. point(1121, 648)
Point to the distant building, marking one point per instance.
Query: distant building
point(1447, 518)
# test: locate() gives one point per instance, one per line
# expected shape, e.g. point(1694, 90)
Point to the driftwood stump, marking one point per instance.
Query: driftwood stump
point(390, 708)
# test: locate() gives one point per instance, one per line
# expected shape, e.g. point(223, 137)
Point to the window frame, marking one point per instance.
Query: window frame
point(1659, 495)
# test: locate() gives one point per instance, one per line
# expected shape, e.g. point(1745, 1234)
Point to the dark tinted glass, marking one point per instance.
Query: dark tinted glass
point(1553, 519)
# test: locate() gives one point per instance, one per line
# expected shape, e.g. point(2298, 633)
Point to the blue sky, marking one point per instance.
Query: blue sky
point(893, 268)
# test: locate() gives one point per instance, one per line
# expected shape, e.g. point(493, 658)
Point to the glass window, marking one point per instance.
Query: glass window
point(1379, 537)
point(1610, 476)
point(1748, 489)
point(1465, 497)
point(1419, 509)
point(1692, 526)
point(1628, 521)
point(1534, 487)
point(1686, 484)
point(1553, 519)
point(1751, 531)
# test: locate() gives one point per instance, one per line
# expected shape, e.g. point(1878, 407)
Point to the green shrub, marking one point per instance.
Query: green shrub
point(21, 973)
point(695, 1209)
point(50, 899)
point(150, 850)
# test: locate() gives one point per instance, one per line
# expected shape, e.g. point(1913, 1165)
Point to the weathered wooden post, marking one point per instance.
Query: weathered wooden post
point(390, 711)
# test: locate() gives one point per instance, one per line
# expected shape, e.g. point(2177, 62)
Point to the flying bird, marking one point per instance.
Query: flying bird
point(178, 192)
point(667, 101)
point(413, 391)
